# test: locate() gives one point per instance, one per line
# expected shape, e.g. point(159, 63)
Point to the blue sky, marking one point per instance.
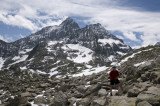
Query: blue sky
point(137, 22)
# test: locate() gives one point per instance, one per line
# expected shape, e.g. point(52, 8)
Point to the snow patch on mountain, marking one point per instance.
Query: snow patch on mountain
point(53, 73)
point(120, 53)
point(52, 43)
point(131, 56)
point(1, 62)
point(23, 68)
point(109, 41)
point(90, 71)
point(78, 53)
point(19, 59)
point(138, 64)
point(126, 47)
point(111, 58)
point(25, 51)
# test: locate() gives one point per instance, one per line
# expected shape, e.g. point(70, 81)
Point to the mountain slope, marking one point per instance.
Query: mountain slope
point(139, 74)
point(64, 49)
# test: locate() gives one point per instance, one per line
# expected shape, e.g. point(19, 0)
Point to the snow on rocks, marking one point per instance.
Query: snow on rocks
point(131, 56)
point(111, 58)
point(81, 53)
point(53, 73)
point(19, 59)
point(52, 43)
point(109, 41)
point(138, 64)
point(25, 51)
point(90, 71)
point(1, 62)
point(120, 53)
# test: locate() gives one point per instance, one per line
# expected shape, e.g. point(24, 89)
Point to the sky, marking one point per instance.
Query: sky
point(137, 22)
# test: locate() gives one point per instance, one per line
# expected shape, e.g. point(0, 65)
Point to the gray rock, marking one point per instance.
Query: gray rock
point(153, 90)
point(84, 102)
point(64, 87)
point(143, 103)
point(122, 101)
point(102, 92)
point(49, 91)
point(81, 88)
point(150, 98)
point(92, 89)
point(17, 101)
point(133, 92)
point(60, 99)
point(72, 100)
point(31, 90)
point(99, 102)
point(144, 78)
point(40, 100)
point(155, 76)
point(26, 94)
point(34, 94)
point(45, 85)
point(78, 94)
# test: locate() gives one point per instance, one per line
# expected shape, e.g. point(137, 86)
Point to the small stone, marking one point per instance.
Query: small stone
point(99, 102)
point(143, 103)
point(40, 100)
point(84, 102)
point(26, 94)
point(102, 92)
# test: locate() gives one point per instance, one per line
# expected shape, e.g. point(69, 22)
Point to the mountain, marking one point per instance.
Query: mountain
point(139, 75)
point(64, 49)
point(158, 43)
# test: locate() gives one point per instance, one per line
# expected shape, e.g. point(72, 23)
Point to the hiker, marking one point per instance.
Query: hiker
point(113, 75)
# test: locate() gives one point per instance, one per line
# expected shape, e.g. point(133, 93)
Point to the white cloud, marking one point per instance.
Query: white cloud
point(130, 35)
point(17, 20)
point(6, 38)
point(150, 38)
point(28, 12)
point(2, 38)
point(35, 14)
point(119, 36)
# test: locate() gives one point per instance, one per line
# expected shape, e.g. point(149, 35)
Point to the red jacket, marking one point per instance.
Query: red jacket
point(114, 74)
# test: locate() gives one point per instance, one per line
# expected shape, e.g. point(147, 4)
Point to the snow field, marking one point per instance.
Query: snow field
point(84, 55)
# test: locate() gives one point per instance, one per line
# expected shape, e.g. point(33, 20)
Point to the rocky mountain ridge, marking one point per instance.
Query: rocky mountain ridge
point(62, 49)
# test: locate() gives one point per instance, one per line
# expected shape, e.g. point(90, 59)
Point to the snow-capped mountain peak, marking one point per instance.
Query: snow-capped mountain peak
point(96, 27)
point(64, 49)
point(69, 24)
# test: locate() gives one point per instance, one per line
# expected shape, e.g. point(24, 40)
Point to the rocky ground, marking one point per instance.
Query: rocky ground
point(141, 86)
